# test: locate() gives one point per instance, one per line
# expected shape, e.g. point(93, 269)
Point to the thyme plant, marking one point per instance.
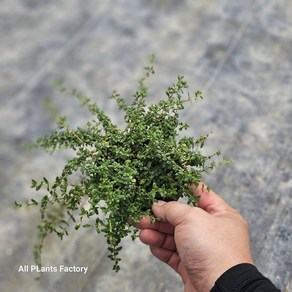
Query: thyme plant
point(122, 170)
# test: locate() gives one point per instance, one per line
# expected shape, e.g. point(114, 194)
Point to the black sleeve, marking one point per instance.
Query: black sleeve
point(243, 278)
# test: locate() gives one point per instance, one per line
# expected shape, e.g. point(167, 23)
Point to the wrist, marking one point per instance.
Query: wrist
point(209, 278)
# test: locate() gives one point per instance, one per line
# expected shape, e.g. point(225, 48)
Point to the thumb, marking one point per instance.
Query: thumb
point(210, 201)
point(173, 212)
point(176, 213)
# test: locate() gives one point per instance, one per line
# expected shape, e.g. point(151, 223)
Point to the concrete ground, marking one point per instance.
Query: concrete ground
point(237, 52)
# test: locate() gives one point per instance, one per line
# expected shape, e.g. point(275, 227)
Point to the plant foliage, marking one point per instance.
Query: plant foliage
point(122, 170)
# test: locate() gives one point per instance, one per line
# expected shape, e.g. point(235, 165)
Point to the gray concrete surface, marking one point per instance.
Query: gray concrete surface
point(237, 52)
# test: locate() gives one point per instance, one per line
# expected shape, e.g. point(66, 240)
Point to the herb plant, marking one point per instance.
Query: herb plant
point(122, 171)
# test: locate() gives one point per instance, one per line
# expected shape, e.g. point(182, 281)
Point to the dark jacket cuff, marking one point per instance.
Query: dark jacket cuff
point(243, 277)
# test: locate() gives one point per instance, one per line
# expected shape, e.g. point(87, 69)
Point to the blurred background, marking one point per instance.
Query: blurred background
point(238, 53)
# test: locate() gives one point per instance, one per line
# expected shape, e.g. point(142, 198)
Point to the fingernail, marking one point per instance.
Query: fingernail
point(158, 203)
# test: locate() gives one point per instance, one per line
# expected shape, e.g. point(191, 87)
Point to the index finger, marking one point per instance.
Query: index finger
point(165, 227)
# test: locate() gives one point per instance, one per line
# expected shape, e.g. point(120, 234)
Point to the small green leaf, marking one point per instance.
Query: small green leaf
point(17, 205)
point(33, 202)
point(198, 94)
point(33, 183)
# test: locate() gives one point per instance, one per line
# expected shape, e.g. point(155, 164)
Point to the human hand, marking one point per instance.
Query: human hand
point(199, 243)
